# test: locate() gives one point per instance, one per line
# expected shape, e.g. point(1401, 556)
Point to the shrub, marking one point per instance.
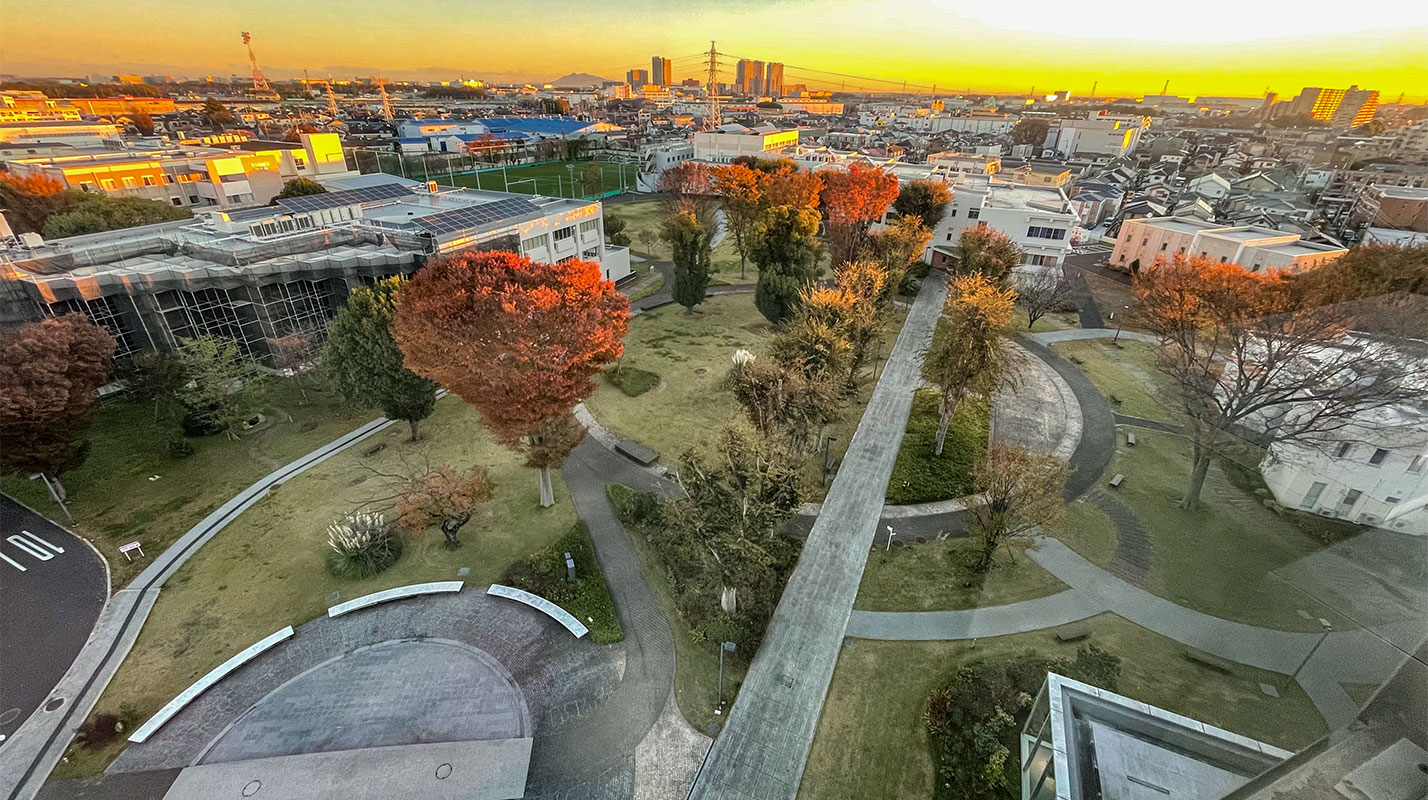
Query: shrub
point(633, 381)
point(99, 729)
point(635, 507)
point(179, 446)
point(929, 477)
point(362, 546)
point(587, 599)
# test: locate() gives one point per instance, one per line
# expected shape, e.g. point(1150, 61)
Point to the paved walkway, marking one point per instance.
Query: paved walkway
point(1077, 334)
point(764, 746)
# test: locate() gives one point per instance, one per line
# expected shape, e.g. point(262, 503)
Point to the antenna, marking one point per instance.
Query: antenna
point(1094, 84)
point(260, 82)
point(1166, 88)
point(711, 117)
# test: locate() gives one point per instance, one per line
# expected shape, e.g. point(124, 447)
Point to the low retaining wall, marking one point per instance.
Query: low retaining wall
point(398, 593)
point(541, 604)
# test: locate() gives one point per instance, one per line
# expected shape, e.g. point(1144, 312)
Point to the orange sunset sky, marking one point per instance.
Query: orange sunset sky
point(1216, 47)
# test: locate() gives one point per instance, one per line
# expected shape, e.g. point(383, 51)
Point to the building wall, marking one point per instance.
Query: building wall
point(1140, 244)
point(970, 209)
point(1390, 494)
point(725, 147)
point(109, 106)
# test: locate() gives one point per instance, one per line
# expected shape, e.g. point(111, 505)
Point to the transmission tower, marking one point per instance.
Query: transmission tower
point(386, 101)
point(711, 117)
point(260, 82)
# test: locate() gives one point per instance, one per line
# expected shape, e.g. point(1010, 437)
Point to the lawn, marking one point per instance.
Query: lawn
point(919, 476)
point(1123, 371)
point(1112, 297)
point(691, 354)
point(934, 577)
point(648, 216)
point(266, 569)
point(1219, 559)
point(551, 180)
point(1058, 321)
point(131, 489)
point(1087, 530)
point(871, 741)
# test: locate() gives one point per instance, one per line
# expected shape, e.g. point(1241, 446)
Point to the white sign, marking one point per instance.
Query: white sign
point(126, 549)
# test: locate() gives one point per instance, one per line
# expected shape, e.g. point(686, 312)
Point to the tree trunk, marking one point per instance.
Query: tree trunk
point(949, 410)
point(547, 490)
point(416, 429)
point(1200, 465)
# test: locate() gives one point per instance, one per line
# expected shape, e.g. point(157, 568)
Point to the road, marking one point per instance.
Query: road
point(52, 588)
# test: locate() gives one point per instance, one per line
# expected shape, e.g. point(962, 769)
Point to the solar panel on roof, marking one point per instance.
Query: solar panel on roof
point(346, 197)
point(486, 214)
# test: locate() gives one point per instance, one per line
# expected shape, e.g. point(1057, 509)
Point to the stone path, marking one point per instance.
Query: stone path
point(1086, 308)
point(1134, 553)
point(764, 746)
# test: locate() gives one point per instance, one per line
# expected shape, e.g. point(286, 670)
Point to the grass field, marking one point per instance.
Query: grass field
point(646, 216)
point(934, 577)
point(871, 741)
point(131, 489)
point(551, 180)
point(918, 475)
point(1125, 373)
point(266, 569)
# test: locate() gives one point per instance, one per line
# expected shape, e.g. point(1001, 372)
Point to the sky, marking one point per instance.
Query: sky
point(1122, 47)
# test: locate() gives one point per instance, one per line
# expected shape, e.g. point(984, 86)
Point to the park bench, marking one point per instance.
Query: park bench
point(555, 612)
point(636, 452)
point(397, 593)
point(1211, 661)
point(1116, 481)
point(1073, 633)
point(1130, 438)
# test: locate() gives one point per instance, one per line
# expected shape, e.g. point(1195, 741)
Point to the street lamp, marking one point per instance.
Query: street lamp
point(54, 495)
point(725, 647)
point(826, 442)
point(1119, 322)
point(890, 537)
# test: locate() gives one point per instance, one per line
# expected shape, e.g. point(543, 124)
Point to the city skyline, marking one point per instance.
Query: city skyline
point(949, 44)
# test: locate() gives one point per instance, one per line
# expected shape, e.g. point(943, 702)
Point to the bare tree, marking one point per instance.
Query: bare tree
point(1257, 358)
point(1041, 292)
point(1018, 491)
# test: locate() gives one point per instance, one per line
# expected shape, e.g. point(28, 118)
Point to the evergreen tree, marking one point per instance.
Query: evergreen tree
point(785, 246)
point(689, 245)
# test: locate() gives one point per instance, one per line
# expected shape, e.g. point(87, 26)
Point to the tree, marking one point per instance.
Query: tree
point(518, 340)
point(592, 179)
point(216, 114)
point(853, 199)
point(731, 509)
point(142, 122)
point(1017, 491)
point(223, 384)
point(867, 283)
point(689, 248)
point(30, 200)
point(444, 497)
point(968, 353)
point(615, 230)
point(158, 376)
point(299, 187)
point(647, 240)
point(988, 252)
point(781, 400)
point(897, 247)
point(1042, 291)
point(738, 187)
point(816, 342)
point(1260, 358)
point(925, 199)
point(783, 184)
point(50, 372)
point(688, 188)
point(1369, 270)
point(785, 246)
point(95, 213)
point(1030, 131)
point(363, 359)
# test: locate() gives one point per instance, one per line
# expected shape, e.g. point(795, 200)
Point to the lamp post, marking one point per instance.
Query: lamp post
point(1119, 322)
point(826, 442)
point(54, 495)
point(890, 537)
point(724, 647)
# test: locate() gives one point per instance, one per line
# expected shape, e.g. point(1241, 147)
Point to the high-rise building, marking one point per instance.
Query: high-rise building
point(749, 77)
point(637, 78)
point(756, 79)
point(1357, 108)
point(773, 80)
point(661, 71)
point(1316, 103)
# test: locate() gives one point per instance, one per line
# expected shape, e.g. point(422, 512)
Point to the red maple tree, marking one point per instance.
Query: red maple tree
point(517, 339)
point(853, 199)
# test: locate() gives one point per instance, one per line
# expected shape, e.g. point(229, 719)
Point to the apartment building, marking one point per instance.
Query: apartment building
point(268, 276)
point(966, 164)
point(250, 174)
point(31, 106)
point(732, 141)
point(1141, 241)
point(1400, 208)
point(1100, 135)
point(66, 133)
point(1038, 219)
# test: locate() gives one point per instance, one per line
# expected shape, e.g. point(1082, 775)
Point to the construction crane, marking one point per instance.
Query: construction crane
point(261, 88)
point(386, 101)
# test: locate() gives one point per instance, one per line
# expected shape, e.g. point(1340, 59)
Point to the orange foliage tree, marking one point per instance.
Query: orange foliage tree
point(443, 497)
point(689, 189)
point(517, 339)
point(30, 200)
point(853, 199)
point(739, 188)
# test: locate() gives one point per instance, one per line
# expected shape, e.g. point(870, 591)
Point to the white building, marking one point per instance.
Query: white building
point(966, 163)
point(732, 141)
point(1376, 474)
point(1210, 186)
point(68, 133)
point(1141, 241)
point(1100, 135)
point(1038, 219)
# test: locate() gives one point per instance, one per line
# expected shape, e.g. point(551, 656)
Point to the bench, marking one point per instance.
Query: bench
point(1130, 438)
point(636, 452)
point(542, 605)
point(1116, 481)
point(398, 593)
point(1212, 661)
point(205, 683)
point(1073, 633)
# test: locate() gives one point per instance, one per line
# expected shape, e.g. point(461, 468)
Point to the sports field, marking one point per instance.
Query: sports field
point(567, 179)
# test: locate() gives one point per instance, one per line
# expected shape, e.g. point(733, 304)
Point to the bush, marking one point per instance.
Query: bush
point(587, 599)
point(632, 380)
point(635, 507)
point(179, 446)
point(100, 729)
point(362, 545)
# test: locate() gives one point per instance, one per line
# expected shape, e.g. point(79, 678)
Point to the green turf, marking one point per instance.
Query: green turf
point(633, 381)
point(934, 577)
point(871, 741)
point(552, 180)
point(587, 598)
point(920, 476)
point(266, 568)
point(648, 216)
point(1125, 373)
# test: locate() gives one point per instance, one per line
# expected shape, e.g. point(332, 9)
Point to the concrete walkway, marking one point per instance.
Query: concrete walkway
point(764, 746)
point(28, 757)
point(1077, 334)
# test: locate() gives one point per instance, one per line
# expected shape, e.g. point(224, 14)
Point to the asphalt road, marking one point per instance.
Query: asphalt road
point(52, 588)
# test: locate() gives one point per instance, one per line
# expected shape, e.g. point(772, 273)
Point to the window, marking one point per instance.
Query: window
point(949, 236)
point(589, 225)
point(591, 254)
point(1039, 232)
point(1392, 500)
point(1343, 450)
point(1312, 496)
point(974, 213)
point(1416, 465)
point(177, 201)
point(1378, 456)
point(148, 180)
point(532, 244)
point(564, 234)
point(1164, 245)
point(1351, 497)
point(1145, 241)
point(107, 183)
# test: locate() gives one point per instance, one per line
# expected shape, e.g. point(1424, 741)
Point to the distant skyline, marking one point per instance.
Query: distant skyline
point(1128, 48)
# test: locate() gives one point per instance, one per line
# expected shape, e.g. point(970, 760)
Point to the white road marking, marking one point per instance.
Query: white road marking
point(12, 562)
point(34, 550)
point(53, 547)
